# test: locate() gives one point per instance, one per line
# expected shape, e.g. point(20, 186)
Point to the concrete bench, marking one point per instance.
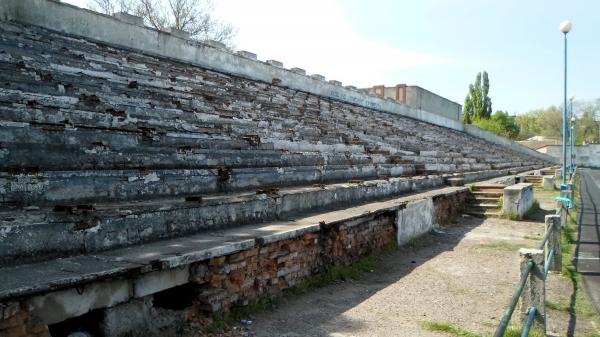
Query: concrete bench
point(91, 186)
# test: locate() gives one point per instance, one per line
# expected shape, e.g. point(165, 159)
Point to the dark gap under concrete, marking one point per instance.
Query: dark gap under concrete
point(177, 298)
point(89, 322)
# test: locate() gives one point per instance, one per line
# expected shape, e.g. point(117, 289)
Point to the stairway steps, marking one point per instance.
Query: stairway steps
point(494, 205)
point(483, 214)
point(488, 194)
point(479, 198)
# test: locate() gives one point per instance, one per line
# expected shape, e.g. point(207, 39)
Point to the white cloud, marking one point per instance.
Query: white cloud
point(315, 35)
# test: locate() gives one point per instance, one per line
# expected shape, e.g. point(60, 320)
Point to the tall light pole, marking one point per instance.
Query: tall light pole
point(565, 27)
point(572, 142)
point(571, 135)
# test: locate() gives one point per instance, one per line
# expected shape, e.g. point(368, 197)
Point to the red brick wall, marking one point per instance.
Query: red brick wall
point(267, 270)
point(15, 321)
point(447, 206)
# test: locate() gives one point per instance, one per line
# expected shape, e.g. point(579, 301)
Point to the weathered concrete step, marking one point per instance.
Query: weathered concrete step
point(38, 233)
point(482, 205)
point(489, 186)
point(41, 277)
point(479, 198)
point(162, 81)
point(31, 234)
point(487, 194)
point(478, 213)
point(59, 187)
point(27, 146)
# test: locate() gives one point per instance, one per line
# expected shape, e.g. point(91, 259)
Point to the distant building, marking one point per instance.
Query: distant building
point(419, 98)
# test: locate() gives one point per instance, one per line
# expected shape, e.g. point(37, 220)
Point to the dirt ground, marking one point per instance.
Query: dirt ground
point(464, 274)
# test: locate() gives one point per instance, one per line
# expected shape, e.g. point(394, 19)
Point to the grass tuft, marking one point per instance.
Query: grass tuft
point(501, 245)
point(579, 305)
point(533, 210)
point(564, 307)
point(448, 328)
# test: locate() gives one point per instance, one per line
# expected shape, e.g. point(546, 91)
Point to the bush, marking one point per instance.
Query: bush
point(501, 124)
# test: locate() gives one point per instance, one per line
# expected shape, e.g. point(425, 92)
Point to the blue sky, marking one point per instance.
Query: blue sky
point(437, 44)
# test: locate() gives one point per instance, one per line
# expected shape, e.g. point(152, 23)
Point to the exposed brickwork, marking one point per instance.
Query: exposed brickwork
point(348, 241)
point(263, 271)
point(267, 270)
point(449, 205)
point(16, 321)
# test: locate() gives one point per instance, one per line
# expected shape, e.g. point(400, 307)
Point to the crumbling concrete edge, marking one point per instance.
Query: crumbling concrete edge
point(70, 19)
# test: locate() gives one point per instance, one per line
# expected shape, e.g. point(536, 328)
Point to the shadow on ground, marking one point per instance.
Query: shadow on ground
point(322, 310)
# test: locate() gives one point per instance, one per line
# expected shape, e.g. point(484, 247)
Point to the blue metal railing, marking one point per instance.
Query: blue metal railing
point(565, 200)
point(529, 322)
point(533, 311)
point(520, 286)
point(514, 300)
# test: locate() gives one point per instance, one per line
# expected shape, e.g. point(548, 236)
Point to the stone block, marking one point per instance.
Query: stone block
point(299, 71)
point(318, 77)
point(178, 32)
point(414, 220)
point(137, 318)
point(275, 63)
point(160, 280)
point(334, 82)
point(215, 44)
point(548, 182)
point(247, 54)
point(518, 199)
point(126, 17)
point(64, 304)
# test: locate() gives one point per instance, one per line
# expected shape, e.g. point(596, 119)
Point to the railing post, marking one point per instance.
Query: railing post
point(554, 241)
point(534, 293)
point(564, 210)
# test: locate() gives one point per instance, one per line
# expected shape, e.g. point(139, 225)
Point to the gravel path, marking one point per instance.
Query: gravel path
point(464, 275)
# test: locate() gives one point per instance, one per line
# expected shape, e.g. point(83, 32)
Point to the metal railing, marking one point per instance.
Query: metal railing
point(533, 311)
point(514, 300)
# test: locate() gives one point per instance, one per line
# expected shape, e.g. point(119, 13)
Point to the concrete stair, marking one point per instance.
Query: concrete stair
point(536, 180)
point(483, 201)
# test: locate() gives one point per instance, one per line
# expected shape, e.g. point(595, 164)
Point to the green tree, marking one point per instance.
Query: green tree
point(548, 122)
point(478, 105)
point(501, 123)
point(540, 122)
point(529, 125)
point(587, 127)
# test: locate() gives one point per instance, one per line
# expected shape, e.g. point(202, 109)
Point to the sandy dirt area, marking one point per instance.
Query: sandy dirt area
point(464, 274)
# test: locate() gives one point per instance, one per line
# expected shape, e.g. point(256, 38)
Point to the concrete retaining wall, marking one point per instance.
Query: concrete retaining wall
point(419, 98)
point(585, 155)
point(73, 20)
